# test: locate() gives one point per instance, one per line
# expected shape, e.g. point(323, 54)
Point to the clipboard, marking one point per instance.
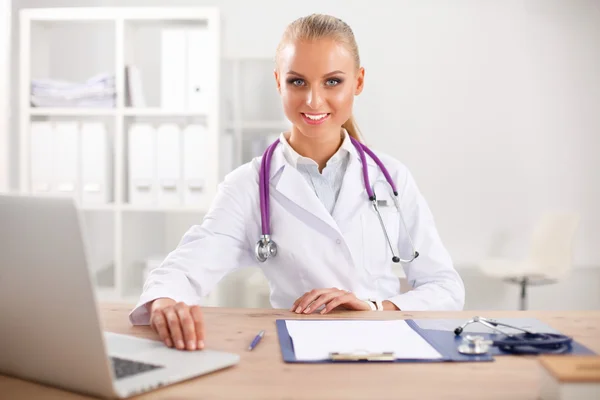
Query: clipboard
point(444, 343)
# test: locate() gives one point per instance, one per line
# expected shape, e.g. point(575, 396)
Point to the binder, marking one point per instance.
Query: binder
point(135, 88)
point(445, 342)
point(168, 165)
point(94, 163)
point(173, 68)
point(66, 159)
point(41, 163)
point(142, 165)
point(195, 166)
point(201, 69)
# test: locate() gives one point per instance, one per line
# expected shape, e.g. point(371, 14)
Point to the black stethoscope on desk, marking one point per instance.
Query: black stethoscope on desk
point(527, 342)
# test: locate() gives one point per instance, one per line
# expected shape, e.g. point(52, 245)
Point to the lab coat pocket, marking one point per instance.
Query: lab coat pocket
point(377, 255)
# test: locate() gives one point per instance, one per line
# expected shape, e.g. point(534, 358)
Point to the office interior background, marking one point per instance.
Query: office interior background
point(493, 105)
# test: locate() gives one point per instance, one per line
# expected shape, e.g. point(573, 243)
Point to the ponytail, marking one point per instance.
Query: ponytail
point(352, 129)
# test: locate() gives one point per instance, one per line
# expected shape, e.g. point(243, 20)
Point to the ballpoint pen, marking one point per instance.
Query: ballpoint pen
point(256, 340)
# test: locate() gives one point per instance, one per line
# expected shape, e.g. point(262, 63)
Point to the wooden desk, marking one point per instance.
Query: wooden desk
point(262, 374)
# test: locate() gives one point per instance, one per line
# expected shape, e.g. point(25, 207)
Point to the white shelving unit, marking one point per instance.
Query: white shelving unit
point(76, 43)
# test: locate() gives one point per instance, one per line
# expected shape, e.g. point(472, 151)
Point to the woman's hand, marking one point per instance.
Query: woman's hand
point(177, 324)
point(331, 298)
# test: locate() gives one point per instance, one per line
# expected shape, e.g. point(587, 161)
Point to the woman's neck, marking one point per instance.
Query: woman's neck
point(320, 149)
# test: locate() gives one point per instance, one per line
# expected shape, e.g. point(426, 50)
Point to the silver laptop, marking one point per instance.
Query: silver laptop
point(49, 326)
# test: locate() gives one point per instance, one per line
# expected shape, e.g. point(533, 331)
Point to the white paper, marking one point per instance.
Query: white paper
point(314, 340)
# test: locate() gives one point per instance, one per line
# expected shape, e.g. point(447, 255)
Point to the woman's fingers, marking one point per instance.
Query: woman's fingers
point(159, 323)
point(174, 327)
point(298, 300)
point(198, 318)
point(187, 326)
point(336, 302)
point(310, 297)
point(178, 324)
point(323, 299)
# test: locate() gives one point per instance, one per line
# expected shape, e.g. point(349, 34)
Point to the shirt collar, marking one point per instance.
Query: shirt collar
point(295, 159)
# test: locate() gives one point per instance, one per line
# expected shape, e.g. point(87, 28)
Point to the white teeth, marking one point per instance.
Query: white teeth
point(316, 117)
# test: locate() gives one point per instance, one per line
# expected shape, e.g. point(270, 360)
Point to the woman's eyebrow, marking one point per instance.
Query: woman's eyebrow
point(327, 74)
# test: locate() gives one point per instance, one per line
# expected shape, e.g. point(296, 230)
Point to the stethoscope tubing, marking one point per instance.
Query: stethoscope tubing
point(362, 149)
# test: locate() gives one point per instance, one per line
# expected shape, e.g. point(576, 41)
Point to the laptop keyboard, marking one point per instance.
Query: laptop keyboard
point(124, 368)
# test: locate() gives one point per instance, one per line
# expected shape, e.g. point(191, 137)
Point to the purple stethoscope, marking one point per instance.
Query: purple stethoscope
point(266, 248)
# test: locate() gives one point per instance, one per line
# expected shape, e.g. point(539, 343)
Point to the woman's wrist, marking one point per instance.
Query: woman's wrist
point(389, 306)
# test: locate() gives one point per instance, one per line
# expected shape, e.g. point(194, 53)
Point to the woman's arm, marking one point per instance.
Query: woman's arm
point(435, 283)
point(207, 252)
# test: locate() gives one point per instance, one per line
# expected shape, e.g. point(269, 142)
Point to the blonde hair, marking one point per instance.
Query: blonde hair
point(320, 26)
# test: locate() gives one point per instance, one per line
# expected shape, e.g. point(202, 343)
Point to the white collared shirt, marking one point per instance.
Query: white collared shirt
point(327, 184)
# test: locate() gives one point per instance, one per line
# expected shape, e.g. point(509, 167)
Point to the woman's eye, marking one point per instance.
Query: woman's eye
point(332, 82)
point(296, 82)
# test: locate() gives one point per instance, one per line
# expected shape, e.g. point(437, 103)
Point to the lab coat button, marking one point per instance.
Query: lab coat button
point(338, 241)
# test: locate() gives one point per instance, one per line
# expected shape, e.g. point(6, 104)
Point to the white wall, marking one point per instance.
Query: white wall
point(5, 30)
point(493, 105)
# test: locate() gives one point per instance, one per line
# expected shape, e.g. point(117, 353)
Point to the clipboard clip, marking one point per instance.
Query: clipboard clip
point(362, 355)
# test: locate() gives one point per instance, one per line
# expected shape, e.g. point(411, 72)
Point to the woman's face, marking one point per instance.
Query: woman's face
point(317, 82)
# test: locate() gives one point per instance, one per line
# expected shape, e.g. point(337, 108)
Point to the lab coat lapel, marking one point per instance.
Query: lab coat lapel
point(302, 200)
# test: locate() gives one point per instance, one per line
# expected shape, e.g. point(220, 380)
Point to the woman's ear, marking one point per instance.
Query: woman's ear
point(360, 81)
point(276, 75)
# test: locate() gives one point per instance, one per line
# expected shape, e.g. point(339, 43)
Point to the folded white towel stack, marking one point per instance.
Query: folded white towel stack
point(98, 91)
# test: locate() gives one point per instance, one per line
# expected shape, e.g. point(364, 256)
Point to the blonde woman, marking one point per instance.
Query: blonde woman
point(317, 212)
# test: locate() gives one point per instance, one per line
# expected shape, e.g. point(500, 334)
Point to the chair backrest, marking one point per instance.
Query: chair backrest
point(552, 243)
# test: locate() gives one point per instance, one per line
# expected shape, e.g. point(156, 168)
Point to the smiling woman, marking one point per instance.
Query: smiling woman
point(318, 73)
point(314, 191)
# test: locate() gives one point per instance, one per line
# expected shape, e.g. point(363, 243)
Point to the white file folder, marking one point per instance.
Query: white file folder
point(42, 157)
point(142, 165)
point(66, 159)
point(173, 68)
point(201, 70)
point(94, 164)
point(168, 165)
point(194, 164)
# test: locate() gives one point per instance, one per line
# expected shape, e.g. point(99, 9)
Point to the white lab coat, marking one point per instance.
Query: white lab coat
point(316, 249)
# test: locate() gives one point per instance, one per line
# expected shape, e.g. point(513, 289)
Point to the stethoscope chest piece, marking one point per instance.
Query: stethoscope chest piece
point(265, 248)
point(474, 345)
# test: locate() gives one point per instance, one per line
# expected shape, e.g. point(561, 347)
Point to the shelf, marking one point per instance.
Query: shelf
point(158, 112)
point(126, 13)
point(134, 112)
point(174, 209)
point(140, 208)
point(72, 112)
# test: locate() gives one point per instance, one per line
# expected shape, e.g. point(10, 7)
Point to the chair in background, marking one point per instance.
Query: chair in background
point(549, 259)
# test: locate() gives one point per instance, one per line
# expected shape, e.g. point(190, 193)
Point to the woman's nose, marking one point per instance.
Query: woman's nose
point(314, 98)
